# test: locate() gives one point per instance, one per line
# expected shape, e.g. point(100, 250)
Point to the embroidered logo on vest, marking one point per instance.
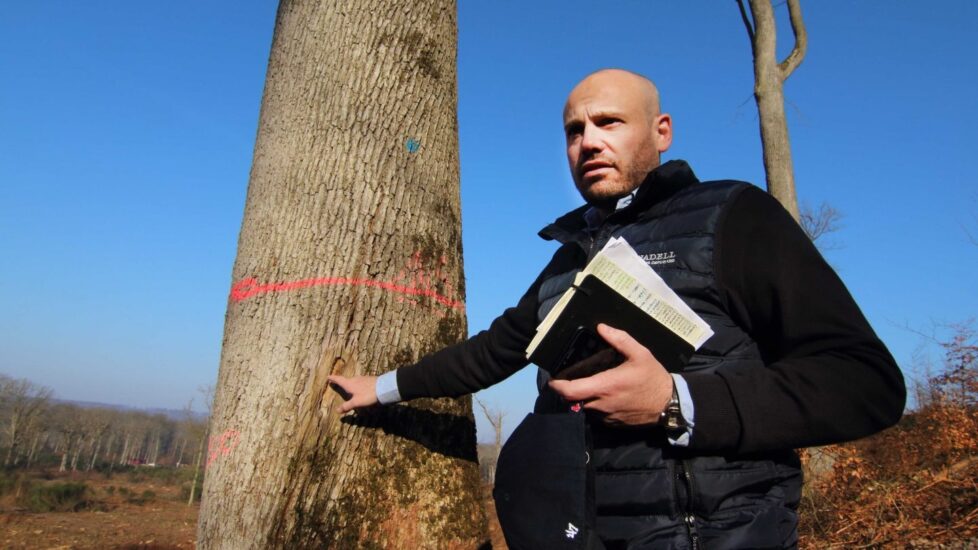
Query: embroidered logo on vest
point(660, 258)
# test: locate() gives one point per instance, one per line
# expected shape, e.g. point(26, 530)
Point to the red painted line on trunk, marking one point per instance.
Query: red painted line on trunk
point(246, 288)
point(221, 446)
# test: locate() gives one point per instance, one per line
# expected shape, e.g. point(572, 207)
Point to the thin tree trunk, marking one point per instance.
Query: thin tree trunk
point(125, 449)
point(108, 448)
point(156, 451)
point(769, 77)
point(349, 262)
point(178, 460)
point(30, 455)
point(193, 484)
point(98, 446)
point(78, 451)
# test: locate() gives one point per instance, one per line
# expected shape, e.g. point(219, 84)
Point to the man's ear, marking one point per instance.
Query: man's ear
point(662, 128)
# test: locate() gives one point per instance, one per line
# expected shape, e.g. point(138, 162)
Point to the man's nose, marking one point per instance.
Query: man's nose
point(591, 138)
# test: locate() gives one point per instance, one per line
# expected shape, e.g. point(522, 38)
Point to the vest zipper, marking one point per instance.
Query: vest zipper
point(686, 477)
point(602, 233)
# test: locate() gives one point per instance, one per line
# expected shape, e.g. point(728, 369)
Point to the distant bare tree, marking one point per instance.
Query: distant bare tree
point(495, 417)
point(201, 433)
point(95, 424)
point(818, 223)
point(187, 433)
point(131, 428)
point(67, 429)
point(769, 78)
point(21, 403)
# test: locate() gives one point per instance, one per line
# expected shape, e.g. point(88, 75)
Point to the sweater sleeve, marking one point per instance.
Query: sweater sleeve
point(485, 359)
point(827, 377)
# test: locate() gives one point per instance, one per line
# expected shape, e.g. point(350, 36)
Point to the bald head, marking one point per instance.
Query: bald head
point(615, 133)
point(629, 83)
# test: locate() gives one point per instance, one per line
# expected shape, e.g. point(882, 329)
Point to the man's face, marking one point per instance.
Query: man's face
point(614, 134)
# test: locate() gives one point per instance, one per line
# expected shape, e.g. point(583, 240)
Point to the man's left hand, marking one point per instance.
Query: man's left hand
point(632, 394)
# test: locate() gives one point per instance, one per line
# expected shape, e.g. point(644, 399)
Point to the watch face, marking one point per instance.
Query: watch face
point(673, 418)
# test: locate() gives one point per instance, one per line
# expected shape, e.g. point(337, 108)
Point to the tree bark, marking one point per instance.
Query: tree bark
point(349, 262)
point(769, 77)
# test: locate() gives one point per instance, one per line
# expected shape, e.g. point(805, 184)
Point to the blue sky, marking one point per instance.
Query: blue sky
point(128, 128)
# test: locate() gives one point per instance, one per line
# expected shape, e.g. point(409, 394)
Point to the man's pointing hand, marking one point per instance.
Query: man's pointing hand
point(357, 391)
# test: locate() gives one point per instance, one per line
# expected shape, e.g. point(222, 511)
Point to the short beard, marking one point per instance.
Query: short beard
point(632, 181)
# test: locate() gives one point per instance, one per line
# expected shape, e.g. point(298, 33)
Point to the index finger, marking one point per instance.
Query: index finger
point(343, 393)
point(582, 389)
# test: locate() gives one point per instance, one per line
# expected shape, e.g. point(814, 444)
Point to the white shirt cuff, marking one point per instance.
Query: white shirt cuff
point(386, 388)
point(686, 408)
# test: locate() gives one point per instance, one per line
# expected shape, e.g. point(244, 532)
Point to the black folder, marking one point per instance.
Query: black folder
point(572, 348)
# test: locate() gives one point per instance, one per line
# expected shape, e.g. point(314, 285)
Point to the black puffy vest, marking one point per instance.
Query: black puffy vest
point(649, 493)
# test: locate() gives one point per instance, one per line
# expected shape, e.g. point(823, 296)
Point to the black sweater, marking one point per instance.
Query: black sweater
point(828, 377)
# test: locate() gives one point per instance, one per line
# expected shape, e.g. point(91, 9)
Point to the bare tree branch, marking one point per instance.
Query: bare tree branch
point(494, 416)
point(21, 403)
point(794, 58)
point(971, 236)
point(747, 23)
point(818, 223)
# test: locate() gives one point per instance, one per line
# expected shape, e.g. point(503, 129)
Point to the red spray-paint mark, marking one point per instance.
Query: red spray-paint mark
point(413, 280)
point(221, 446)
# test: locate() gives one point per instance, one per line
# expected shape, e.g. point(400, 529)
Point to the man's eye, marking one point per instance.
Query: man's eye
point(609, 121)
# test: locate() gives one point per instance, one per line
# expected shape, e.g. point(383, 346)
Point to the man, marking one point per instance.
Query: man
point(792, 363)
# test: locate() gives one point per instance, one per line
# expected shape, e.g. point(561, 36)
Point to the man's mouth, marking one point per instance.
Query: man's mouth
point(593, 168)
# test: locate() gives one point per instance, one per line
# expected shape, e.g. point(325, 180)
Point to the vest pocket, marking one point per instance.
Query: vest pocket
point(758, 526)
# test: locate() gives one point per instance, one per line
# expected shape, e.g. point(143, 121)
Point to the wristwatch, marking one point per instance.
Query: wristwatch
point(671, 419)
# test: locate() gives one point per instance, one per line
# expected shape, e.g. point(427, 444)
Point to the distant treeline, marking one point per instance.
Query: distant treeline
point(37, 431)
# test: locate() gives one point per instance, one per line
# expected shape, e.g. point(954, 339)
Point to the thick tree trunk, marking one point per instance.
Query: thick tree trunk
point(349, 262)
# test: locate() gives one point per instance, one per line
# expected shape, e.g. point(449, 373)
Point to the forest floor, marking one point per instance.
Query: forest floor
point(146, 508)
point(122, 512)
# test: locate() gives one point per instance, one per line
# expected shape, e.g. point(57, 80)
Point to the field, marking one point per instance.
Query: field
point(139, 508)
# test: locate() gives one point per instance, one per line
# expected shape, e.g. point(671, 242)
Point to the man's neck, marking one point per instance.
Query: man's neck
point(598, 212)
